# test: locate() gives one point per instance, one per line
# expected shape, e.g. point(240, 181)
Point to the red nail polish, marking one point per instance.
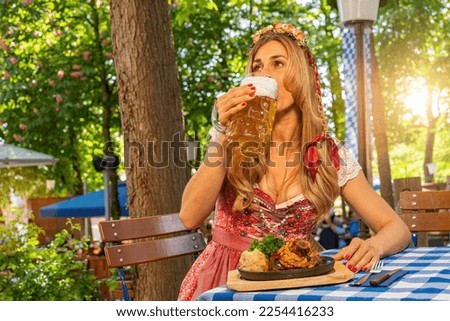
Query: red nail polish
point(350, 267)
point(347, 256)
point(364, 269)
point(253, 88)
point(354, 269)
point(252, 95)
point(250, 85)
point(244, 103)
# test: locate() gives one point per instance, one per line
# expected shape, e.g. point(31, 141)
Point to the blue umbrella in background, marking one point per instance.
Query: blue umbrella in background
point(87, 205)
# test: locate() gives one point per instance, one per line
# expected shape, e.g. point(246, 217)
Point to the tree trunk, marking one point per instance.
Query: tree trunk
point(150, 103)
point(107, 105)
point(379, 128)
point(338, 105)
point(431, 132)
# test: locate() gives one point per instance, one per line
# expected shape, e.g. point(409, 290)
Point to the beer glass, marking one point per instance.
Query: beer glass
point(252, 126)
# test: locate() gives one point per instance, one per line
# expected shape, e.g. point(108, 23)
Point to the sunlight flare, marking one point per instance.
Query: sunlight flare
point(416, 97)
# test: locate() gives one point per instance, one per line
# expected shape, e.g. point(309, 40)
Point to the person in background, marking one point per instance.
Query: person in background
point(328, 236)
point(353, 227)
point(307, 170)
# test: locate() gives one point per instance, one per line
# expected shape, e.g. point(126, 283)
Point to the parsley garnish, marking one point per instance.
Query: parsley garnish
point(268, 245)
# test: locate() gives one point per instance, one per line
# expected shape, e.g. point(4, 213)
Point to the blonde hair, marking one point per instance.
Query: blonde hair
point(301, 79)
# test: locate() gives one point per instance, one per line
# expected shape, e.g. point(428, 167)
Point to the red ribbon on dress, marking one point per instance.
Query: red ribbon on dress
point(311, 159)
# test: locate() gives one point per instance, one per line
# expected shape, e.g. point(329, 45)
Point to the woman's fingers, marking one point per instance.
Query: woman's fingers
point(226, 116)
point(233, 101)
point(360, 255)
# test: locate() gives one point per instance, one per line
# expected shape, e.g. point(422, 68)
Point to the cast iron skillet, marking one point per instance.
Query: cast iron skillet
point(325, 266)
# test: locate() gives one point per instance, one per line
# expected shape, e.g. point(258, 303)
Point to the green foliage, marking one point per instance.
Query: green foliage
point(54, 272)
point(26, 181)
point(268, 245)
point(412, 46)
point(57, 79)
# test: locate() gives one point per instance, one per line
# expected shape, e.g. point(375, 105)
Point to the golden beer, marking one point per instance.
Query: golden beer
point(252, 126)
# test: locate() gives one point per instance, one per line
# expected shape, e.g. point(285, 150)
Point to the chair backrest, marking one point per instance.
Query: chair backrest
point(139, 249)
point(425, 211)
point(406, 184)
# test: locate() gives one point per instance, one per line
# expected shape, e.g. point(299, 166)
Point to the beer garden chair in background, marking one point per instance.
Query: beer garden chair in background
point(141, 249)
point(426, 213)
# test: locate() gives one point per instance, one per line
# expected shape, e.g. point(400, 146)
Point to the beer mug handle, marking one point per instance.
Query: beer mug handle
point(214, 119)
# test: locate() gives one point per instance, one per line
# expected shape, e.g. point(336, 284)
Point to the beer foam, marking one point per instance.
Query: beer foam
point(265, 86)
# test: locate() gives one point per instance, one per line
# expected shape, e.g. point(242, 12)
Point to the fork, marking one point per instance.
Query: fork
point(377, 267)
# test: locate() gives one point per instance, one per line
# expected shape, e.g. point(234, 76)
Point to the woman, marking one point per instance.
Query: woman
point(284, 200)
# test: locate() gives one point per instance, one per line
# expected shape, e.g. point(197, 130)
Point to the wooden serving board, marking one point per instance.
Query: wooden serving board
point(339, 274)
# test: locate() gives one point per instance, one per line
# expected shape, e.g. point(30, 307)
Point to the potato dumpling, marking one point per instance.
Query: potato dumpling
point(255, 261)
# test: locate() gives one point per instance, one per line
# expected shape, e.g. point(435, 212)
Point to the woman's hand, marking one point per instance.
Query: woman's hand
point(360, 255)
point(233, 101)
point(391, 235)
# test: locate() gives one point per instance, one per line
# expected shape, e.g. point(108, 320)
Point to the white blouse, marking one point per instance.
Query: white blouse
point(349, 166)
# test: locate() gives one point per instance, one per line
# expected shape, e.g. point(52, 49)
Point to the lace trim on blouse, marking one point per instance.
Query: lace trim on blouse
point(349, 166)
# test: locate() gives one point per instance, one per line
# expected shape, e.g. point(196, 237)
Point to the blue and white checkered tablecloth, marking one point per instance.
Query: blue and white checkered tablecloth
point(428, 278)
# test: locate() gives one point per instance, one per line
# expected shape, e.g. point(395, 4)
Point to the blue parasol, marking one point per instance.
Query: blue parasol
point(87, 205)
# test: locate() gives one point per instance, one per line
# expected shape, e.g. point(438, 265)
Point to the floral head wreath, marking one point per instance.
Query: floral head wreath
point(284, 28)
point(311, 161)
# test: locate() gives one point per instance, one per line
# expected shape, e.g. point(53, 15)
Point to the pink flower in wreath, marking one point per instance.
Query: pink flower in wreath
point(278, 27)
point(288, 28)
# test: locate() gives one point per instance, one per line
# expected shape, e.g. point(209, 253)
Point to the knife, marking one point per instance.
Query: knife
point(361, 281)
point(383, 277)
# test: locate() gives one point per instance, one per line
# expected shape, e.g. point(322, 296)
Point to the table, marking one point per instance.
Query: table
point(428, 279)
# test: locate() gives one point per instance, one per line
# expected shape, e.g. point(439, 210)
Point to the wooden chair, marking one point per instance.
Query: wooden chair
point(425, 211)
point(138, 248)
